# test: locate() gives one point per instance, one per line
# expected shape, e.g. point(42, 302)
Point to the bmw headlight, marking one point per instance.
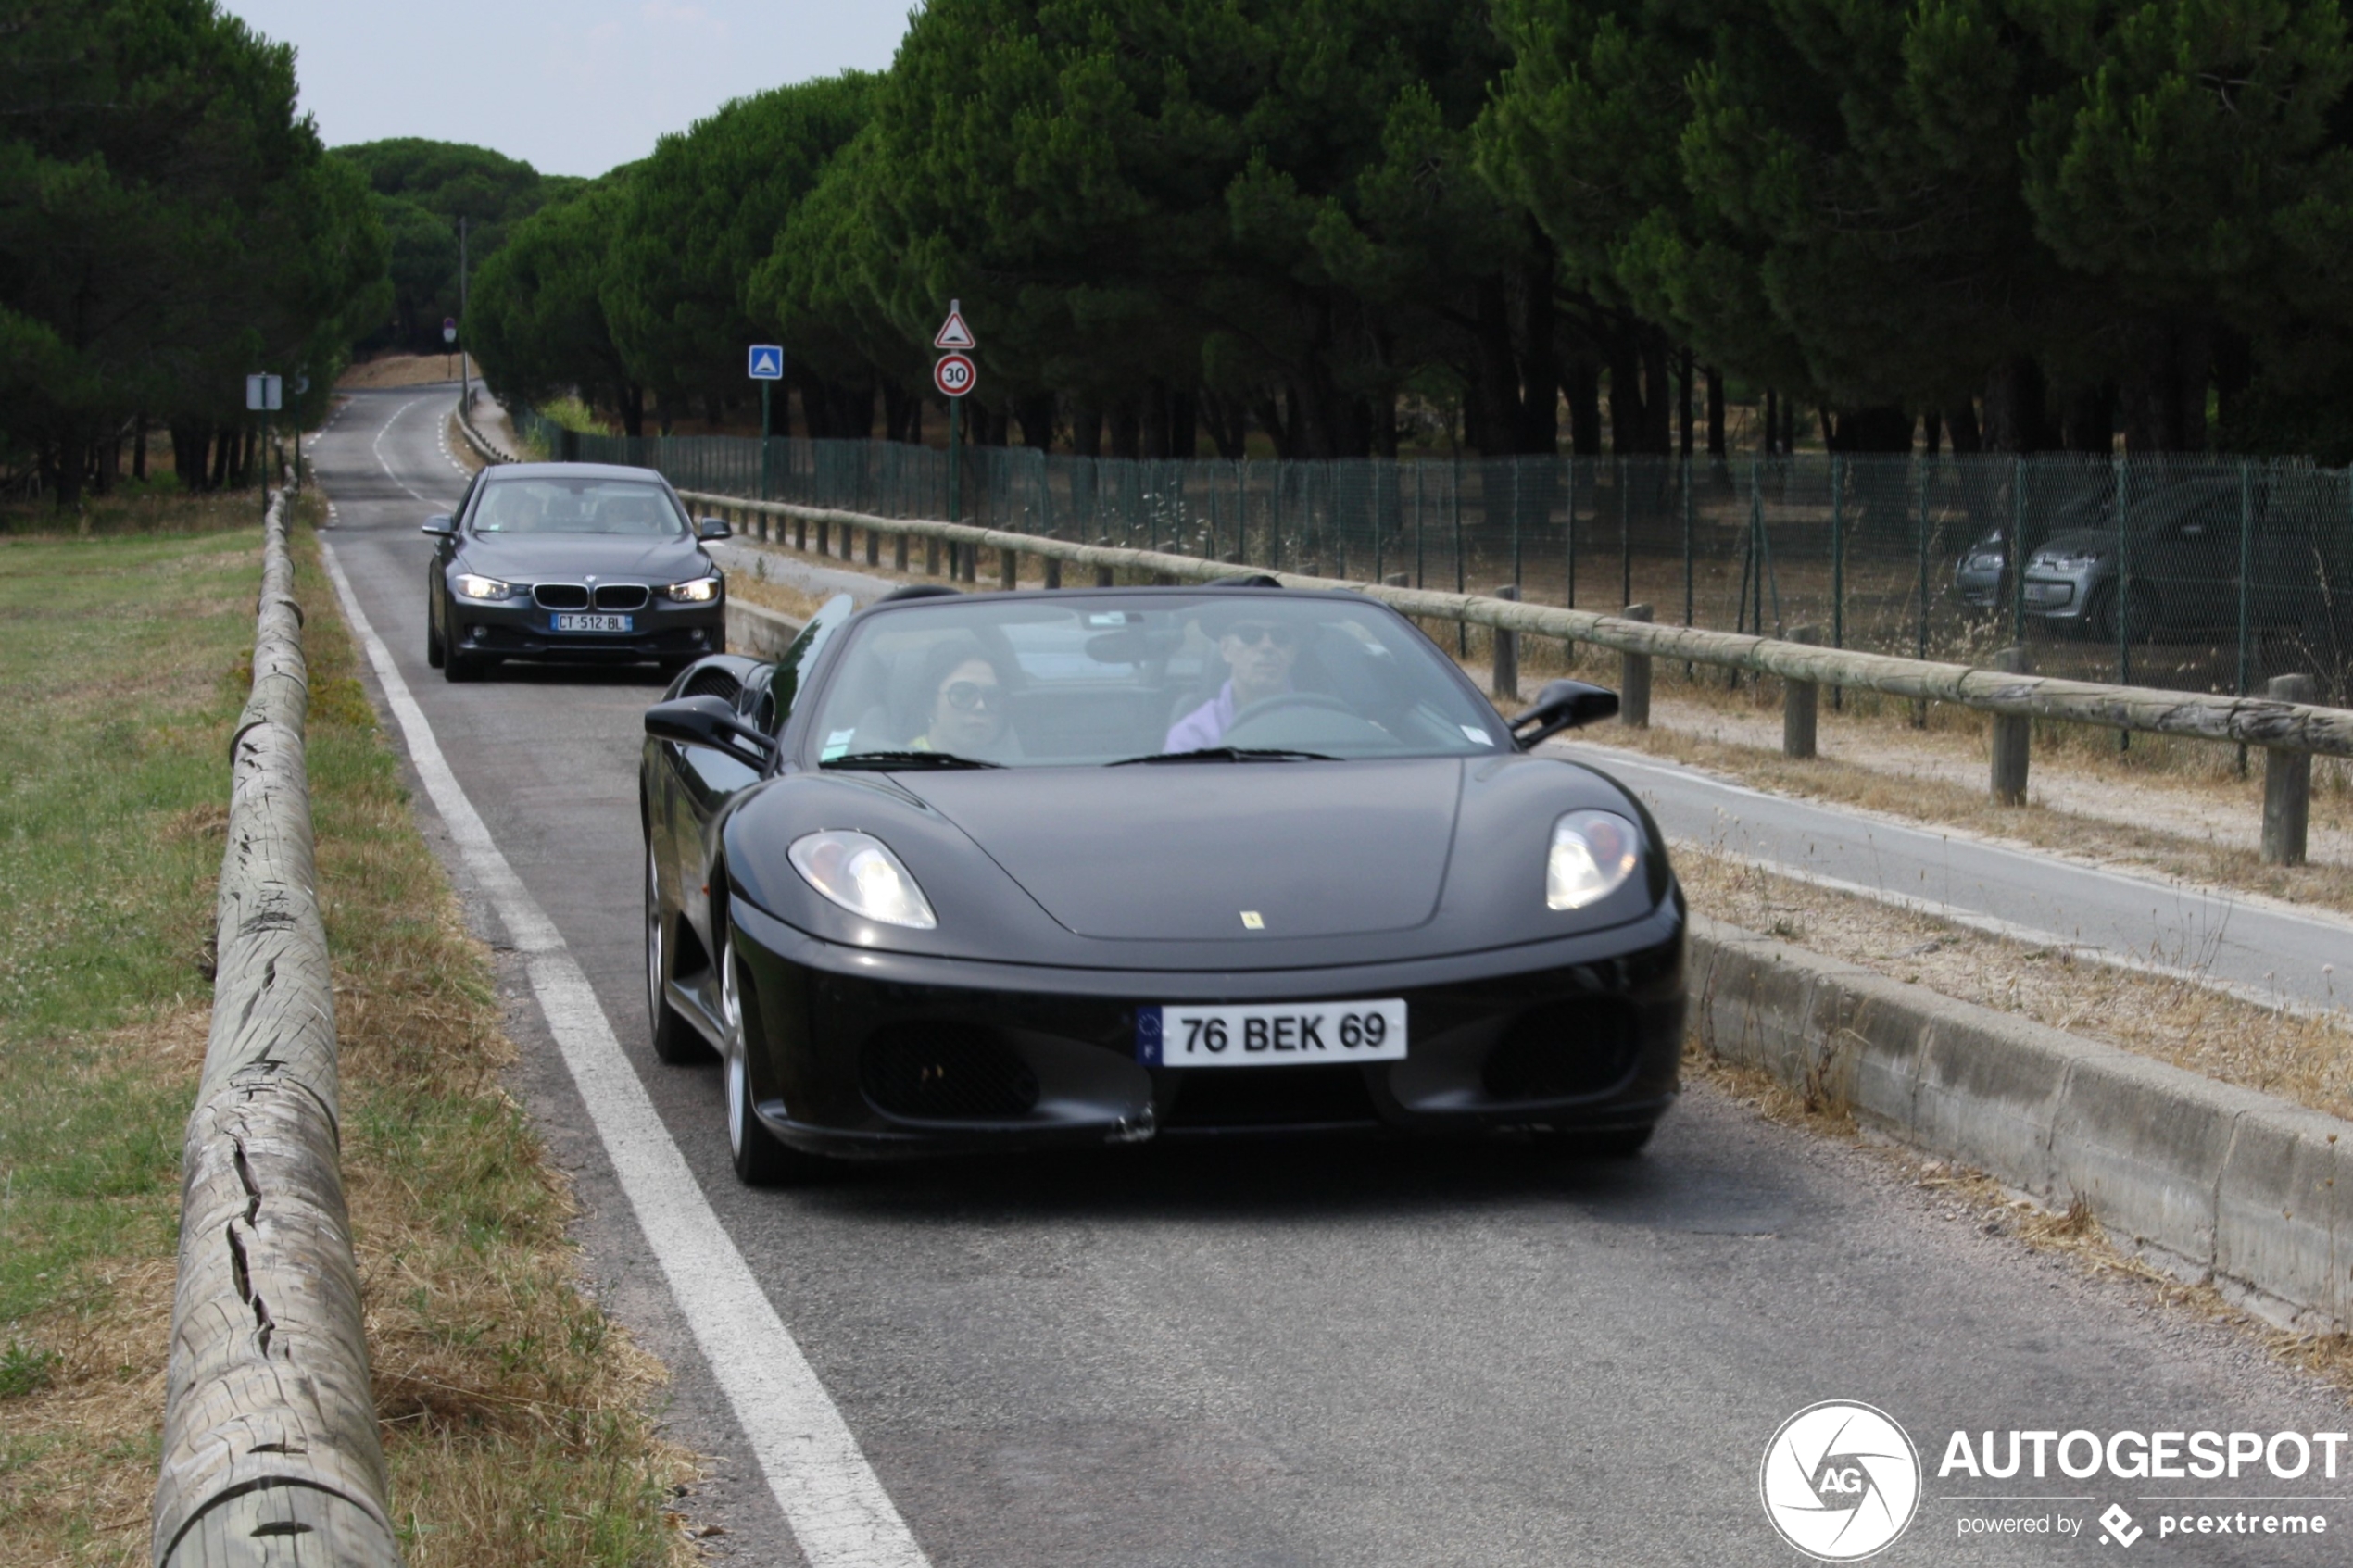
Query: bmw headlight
point(701, 591)
point(1592, 854)
point(472, 587)
point(858, 872)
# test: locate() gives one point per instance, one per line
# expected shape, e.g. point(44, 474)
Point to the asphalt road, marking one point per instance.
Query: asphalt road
point(1342, 1353)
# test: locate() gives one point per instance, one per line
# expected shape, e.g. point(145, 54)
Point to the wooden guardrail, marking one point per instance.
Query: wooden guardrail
point(2292, 731)
point(270, 1446)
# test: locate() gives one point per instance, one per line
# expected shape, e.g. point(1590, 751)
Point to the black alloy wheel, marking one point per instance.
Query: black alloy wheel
point(436, 650)
point(674, 1040)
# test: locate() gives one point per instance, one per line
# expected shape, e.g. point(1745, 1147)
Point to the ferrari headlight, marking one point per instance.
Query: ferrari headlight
point(1592, 854)
point(701, 591)
point(858, 872)
point(472, 587)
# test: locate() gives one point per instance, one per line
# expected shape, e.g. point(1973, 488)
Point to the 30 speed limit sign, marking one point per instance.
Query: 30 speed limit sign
point(954, 375)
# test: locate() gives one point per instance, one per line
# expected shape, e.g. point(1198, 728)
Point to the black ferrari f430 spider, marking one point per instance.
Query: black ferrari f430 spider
point(962, 871)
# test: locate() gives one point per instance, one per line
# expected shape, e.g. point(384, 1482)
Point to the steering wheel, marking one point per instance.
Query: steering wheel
point(1283, 702)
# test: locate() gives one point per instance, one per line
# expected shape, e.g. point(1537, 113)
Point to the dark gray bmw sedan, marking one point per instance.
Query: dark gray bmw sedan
point(572, 562)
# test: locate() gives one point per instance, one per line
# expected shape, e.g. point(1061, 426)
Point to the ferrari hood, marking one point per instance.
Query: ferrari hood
point(1192, 852)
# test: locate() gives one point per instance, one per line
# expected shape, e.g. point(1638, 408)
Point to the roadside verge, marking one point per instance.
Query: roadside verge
point(2215, 1179)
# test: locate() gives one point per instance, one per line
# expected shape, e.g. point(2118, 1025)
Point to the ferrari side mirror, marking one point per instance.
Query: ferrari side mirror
point(710, 528)
point(440, 526)
point(712, 722)
point(1563, 705)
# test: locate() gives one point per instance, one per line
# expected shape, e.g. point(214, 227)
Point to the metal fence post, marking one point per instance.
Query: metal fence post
point(2123, 591)
point(1919, 709)
point(2247, 557)
point(1624, 537)
point(2018, 550)
point(1839, 466)
point(2287, 783)
point(1462, 629)
point(2013, 732)
point(1634, 679)
point(1799, 704)
point(1103, 573)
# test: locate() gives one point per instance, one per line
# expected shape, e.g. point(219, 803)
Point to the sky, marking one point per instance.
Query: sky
point(570, 86)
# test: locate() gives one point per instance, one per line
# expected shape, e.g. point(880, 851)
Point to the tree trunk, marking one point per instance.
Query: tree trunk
point(2087, 420)
point(1153, 436)
point(1884, 428)
point(138, 448)
point(1581, 384)
point(1658, 406)
point(1229, 424)
point(633, 409)
point(1087, 431)
point(2233, 373)
point(1714, 413)
point(1683, 400)
point(1627, 422)
point(1037, 415)
point(2014, 412)
point(1961, 420)
point(72, 460)
point(1930, 433)
point(1184, 424)
point(1772, 420)
point(1126, 429)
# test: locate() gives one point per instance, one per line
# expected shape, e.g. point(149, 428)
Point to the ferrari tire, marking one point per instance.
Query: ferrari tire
point(758, 1159)
point(674, 1039)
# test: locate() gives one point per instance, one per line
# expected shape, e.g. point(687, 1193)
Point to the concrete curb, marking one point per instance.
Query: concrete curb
point(2226, 1181)
point(758, 631)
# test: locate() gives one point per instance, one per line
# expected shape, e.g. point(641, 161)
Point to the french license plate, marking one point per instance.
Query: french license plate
point(2049, 593)
point(596, 622)
point(1271, 1034)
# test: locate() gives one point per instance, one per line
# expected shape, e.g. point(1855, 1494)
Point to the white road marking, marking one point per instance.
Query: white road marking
point(377, 447)
point(838, 1510)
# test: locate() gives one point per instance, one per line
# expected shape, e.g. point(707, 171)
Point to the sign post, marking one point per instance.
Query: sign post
point(955, 375)
point(263, 394)
point(766, 367)
point(449, 340)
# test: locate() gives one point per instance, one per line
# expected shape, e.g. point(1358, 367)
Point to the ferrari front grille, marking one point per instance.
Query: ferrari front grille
point(1564, 1050)
point(560, 595)
point(945, 1073)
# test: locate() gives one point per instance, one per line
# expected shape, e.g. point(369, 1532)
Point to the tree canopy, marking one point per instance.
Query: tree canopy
point(168, 224)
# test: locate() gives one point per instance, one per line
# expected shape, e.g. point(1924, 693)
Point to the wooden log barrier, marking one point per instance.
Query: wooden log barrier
point(1634, 680)
point(1801, 703)
point(2287, 784)
point(2013, 734)
point(270, 1446)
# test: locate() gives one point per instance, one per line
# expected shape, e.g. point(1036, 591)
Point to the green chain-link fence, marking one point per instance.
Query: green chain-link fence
point(2193, 573)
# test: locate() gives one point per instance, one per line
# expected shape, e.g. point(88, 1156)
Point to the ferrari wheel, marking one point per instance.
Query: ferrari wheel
point(674, 1041)
point(758, 1158)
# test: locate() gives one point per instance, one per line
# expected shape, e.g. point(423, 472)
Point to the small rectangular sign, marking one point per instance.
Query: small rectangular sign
point(265, 394)
point(767, 362)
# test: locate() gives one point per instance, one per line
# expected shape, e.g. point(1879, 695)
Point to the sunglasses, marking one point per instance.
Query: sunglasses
point(971, 696)
point(1250, 633)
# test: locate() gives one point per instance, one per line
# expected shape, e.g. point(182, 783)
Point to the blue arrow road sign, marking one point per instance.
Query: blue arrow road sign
point(767, 362)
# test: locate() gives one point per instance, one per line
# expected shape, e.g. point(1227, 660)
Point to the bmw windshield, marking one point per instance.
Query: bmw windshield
point(628, 508)
point(1079, 680)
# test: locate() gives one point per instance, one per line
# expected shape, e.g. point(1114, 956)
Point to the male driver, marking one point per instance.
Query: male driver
point(1258, 655)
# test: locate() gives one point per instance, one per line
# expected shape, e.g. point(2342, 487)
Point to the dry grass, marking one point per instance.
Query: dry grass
point(399, 370)
point(2303, 1058)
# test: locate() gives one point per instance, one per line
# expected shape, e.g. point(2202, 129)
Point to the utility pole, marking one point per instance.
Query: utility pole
point(465, 373)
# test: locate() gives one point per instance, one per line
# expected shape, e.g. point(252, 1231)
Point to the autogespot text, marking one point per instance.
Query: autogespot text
point(2144, 1456)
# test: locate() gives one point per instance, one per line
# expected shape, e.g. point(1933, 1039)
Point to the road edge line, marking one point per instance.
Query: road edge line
point(835, 1504)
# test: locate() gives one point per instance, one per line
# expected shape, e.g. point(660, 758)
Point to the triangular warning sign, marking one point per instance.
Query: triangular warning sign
point(953, 334)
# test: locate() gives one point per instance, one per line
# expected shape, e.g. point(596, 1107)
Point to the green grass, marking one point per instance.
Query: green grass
point(513, 1412)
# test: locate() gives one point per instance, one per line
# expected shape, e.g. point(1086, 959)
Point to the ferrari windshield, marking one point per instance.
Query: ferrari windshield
point(1078, 679)
point(626, 507)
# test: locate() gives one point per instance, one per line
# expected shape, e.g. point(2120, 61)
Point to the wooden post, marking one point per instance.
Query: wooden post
point(1102, 574)
point(1634, 679)
point(2012, 734)
point(873, 547)
point(1800, 700)
point(1506, 681)
point(1054, 572)
point(931, 556)
point(899, 551)
point(800, 534)
point(1008, 570)
point(2287, 783)
point(968, 562)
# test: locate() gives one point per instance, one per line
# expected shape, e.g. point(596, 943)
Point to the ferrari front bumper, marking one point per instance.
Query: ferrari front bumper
point(858, 1052)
